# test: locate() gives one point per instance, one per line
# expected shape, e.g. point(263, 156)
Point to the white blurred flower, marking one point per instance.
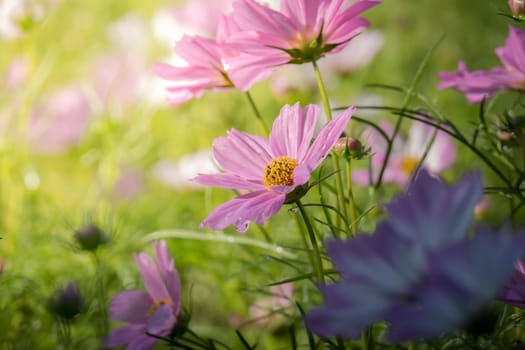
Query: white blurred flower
point(15, 15)
point(178, 175)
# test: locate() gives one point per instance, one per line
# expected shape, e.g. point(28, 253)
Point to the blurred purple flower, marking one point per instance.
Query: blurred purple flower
point(59, 122)
point(67, 302)
point(481, 84)
point(302, 31)
point(269, 169)
point(419, 271)
point(155, 312)
point(514, 292)
point(406, 154)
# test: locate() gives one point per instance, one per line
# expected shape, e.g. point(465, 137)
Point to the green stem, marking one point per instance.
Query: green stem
point(338, 178)
point(257, 114)
point(102, 303)
point(265, 233)
point(353, 213)
point(316, 258)
point(322, 90)
point(367, 342)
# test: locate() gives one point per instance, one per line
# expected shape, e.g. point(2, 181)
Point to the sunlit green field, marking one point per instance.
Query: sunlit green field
point(125, 168)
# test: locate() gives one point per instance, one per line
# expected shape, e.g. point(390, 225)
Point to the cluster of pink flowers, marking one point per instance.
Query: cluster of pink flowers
point(255, 40)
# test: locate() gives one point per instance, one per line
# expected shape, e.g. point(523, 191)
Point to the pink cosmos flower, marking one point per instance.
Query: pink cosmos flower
point(302, 31)
point(204, 66)
point(481, 84)
point(270, 169)
point(154, 312)
point(406, 154)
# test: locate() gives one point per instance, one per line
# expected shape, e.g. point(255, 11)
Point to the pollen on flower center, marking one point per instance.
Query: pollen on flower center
point(408, 164)
point(157, 304)
point(279, 172)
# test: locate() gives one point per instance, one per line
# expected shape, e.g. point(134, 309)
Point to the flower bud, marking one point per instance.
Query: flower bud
point(348, 143)
point(90, 237)
point(517, 7)
point(350, 147)
point(66, 302)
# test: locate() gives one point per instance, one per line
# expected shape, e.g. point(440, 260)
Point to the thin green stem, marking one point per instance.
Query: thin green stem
point(102, 303)
point(257, 114)
point(322, 90)
point(265, 233)
point(316, 257)
point(328, 111)
point(367, 341)
point(353, 212)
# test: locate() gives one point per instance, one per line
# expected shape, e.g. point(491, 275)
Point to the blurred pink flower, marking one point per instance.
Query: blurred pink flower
point(129, 183)
point(269, 169)
point(17, 73)
point(272, 311)
point(117, 79)
point(406, 154)
point(302, 31)
point(196, 17)
point(59, 121)
point(481, 84)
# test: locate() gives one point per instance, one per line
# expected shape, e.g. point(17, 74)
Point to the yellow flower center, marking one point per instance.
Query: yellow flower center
point(156, 305)
point(408, 164)
point(279, 172)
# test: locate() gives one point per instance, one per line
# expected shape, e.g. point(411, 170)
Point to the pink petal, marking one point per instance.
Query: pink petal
point(242, 154)
point(161, 322)
point(257, 206)
point(169, 273)
point(326, 139)
point(151, 277)
point(293, 130)
point(252, 16)
point(345, 25)
point(144, 342)
point(230, 181)
point(246, 70)
point(130, 306)
point(125, 335)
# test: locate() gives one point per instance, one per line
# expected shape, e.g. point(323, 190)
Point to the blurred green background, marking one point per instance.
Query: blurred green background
point(109, 173)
